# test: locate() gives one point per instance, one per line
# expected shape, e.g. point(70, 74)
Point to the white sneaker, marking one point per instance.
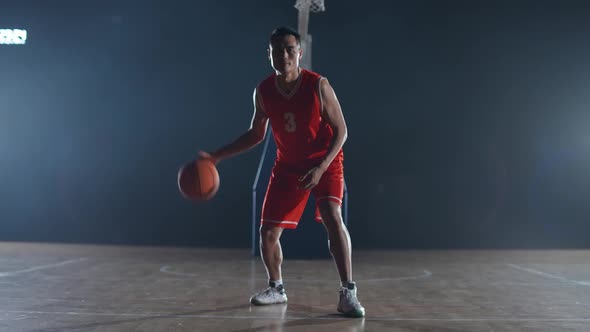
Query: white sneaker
point(271, 295)
point(349, 305)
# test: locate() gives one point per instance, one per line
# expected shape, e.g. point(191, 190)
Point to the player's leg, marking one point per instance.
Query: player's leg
point(328, 193)
point(339, 243)
point(271, 251)
point(282, 208)
point(338, 237)
point(272, 257)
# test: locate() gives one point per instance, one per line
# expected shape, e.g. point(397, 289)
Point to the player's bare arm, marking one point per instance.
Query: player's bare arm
point(332, 112)
point(252, 137)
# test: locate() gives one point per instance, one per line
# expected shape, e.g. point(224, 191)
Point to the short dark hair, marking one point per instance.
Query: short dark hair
point(281, 32)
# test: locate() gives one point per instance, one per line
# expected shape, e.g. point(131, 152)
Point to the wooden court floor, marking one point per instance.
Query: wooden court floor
point(53, 287)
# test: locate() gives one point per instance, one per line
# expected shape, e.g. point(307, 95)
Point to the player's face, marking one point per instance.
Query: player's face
point(284, 54)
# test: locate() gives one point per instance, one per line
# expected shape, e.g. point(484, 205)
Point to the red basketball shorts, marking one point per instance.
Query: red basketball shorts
point(284, 202)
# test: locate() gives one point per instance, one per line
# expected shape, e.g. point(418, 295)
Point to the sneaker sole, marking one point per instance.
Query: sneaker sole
point(256, 302)
point(353, 314)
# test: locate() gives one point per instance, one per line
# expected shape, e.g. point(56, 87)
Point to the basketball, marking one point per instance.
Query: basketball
point(198, 180)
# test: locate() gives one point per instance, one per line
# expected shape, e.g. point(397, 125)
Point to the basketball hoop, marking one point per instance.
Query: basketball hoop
point(313, 6)
point(305, 7)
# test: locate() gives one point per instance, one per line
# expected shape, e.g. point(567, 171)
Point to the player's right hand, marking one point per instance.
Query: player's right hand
point(207, 155)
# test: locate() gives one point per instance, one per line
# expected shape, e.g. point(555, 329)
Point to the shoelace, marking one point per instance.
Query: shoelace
point(270, 291)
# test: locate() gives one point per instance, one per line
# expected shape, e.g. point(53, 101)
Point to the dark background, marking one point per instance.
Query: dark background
point(468, 120)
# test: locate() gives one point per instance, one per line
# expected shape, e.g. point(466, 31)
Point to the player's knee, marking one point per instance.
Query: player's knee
point(330, 212)
point(269, 235)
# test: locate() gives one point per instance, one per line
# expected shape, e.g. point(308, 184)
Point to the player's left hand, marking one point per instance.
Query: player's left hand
point(311, 178)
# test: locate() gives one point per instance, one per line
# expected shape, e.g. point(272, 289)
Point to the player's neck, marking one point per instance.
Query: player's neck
point(289, 77)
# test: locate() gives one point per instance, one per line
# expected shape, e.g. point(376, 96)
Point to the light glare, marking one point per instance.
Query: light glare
point(13, 36)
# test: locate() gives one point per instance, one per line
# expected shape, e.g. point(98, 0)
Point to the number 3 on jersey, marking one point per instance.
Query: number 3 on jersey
point(290, 125)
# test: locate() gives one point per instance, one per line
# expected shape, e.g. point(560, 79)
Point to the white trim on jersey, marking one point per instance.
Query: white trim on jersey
point(320, 94)
point(280, 221)
point(258, 98)
point(326, 197)
point(295, 89)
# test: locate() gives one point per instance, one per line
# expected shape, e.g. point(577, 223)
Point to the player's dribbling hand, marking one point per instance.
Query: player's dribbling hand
point(311, 178)
point(207, 155)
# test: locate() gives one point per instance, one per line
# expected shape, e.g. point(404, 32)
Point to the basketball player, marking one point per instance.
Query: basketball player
point(309, 131)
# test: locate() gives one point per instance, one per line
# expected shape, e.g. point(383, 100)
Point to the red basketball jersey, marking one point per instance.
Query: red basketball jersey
point(300, 132)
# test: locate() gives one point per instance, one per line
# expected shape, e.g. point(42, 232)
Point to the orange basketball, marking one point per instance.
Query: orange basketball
point(198, 179)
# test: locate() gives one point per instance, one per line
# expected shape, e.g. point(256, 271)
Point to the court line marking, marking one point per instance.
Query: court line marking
point(548, 275)
point(41, 267)
point(425, 274)
point(171, 315)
